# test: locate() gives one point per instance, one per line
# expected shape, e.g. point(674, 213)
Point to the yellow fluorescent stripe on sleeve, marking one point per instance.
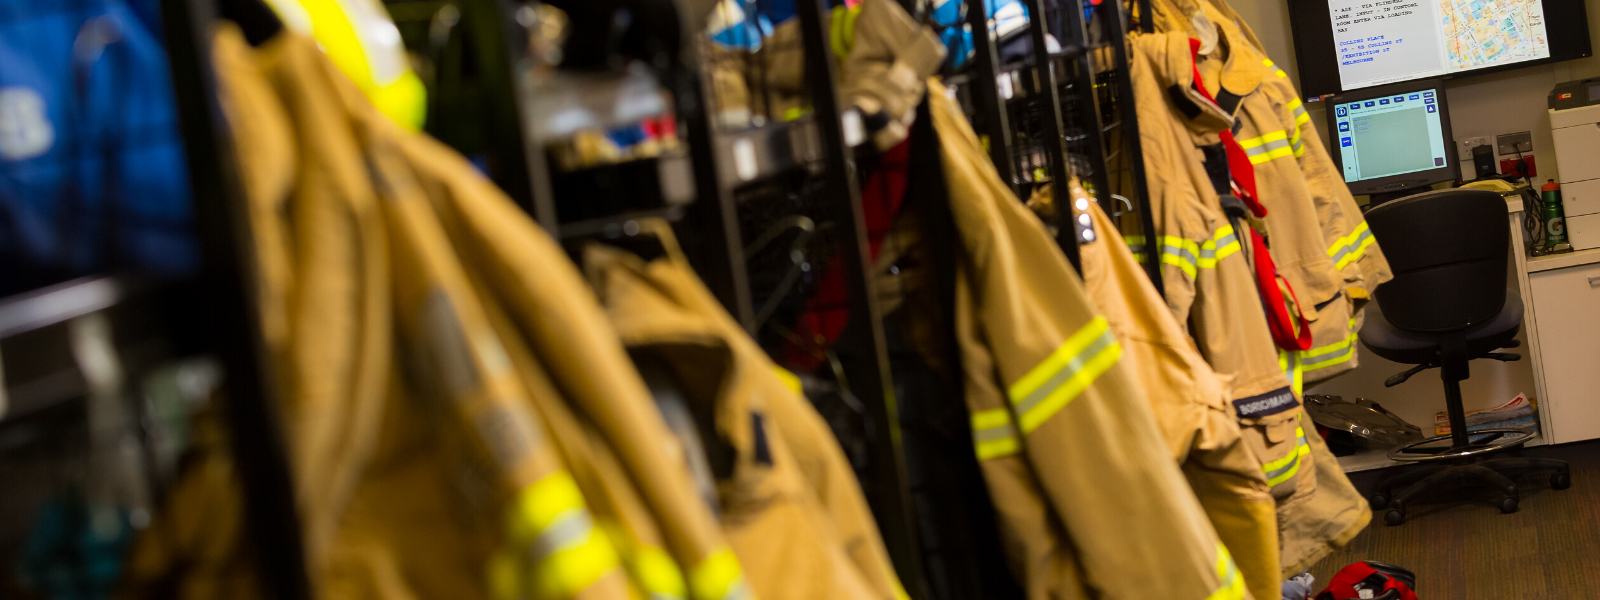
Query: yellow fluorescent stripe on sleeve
point(1285, 468)
point(719, 577)
point(1059, 378)
point(1257, 141)
point(571, 570)
point(1332, 354)
point(1350, 248)
point(543, 503)
point(993, 435)
point(1256, 159)
point(790, 380)
point(658, 574)
point(1232, 584)
point(1181, 253)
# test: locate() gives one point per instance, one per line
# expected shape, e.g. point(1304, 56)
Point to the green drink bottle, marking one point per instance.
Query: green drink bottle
point(1555, 222)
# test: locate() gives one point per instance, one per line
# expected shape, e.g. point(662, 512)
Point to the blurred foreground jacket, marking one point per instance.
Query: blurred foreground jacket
point(791, 505)
point(508, 449)
point(92, 173)
point(1089, 501)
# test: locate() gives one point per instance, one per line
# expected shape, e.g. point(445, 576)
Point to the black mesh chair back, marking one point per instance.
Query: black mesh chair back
point(1448, 250)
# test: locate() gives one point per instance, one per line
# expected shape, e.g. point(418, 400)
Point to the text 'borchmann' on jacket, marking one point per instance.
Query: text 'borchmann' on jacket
point(1057, 421)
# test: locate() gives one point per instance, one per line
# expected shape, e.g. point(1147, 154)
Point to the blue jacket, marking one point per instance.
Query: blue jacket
point(92, 172)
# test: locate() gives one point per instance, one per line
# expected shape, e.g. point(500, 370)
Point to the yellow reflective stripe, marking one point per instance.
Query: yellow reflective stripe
point(790, 380)
point(1332, 354)
point(1296, 143)
point(544, 503)
point(575, 567)
point(1232, 584)
point(1060, 377)
point(658, 574)
point(993, 435)
point(1181, 253)
point(1274, 68)
point(1284, 469)
point(719, 577)
point(1221, 245)
point(1267, 147)
point(1261, 140)
point(1350, 248)
point(1136, 246)
point(1290, 364)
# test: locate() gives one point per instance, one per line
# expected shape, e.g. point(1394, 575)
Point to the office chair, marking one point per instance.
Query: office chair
point(1447, 305)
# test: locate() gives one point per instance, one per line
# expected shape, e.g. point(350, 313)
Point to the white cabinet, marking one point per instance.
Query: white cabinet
point(1566, 311)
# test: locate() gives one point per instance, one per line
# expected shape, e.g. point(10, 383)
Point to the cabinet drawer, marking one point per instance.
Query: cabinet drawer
point(1578, 151)
point(1566, 305)
point(1580, 198)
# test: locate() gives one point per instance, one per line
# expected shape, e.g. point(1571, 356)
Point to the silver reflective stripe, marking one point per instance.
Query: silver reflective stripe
point(566, 531)
point(1346, 249)
point(738, 591)
point(1267, 147)
point(1331, 354)
point(1182, 253)
point(1072, 367)
point(998, 432)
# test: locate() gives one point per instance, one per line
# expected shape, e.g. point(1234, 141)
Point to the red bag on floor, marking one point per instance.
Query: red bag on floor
point(1378, 581)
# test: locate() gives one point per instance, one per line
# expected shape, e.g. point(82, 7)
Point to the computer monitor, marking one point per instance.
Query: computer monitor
point(1394, 139)
point(1345, 45)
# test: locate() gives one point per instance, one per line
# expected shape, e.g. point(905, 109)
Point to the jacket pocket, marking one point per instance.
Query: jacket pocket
point(1273, 429)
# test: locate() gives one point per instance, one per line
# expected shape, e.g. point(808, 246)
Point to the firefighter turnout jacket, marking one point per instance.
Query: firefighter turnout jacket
point(1208, 284)
point(1073, 458)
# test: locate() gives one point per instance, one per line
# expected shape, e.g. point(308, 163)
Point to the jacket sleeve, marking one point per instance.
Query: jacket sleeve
point(1351, 246)
point(1072, 416)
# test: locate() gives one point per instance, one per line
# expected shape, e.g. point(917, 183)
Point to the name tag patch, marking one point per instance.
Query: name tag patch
point(1270, 403)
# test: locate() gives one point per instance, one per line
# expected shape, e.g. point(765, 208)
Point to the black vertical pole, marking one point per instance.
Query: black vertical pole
point(517, 163)
point(1054, 140)
point(1088, 113)
point(720, 262)
point(229, 325)
point(986, 100)
point(887, 489)
point(1116, 28)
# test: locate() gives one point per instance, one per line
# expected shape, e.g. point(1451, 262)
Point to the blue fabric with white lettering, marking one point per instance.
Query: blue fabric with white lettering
point(92, 172)
point(1270, 403)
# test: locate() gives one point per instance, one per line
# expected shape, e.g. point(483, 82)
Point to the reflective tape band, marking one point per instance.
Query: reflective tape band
point(1301, 117)
point(655, 571)
point(993, 434)
point(1350, 248)
point(1336, 353)
point(1285, 468)
point(1136, 246)
point(1289, 363)
point(575, 567)
point(1059, 378)
point(505, 576)
point(551, 529)
point(1275, 69)
point(1181, 253)
point(719, 577)
point(1232, 584)
point(1267, 147)
point(1220, 246)
point(1296, 142)
point(790, 380)
point(542, 504)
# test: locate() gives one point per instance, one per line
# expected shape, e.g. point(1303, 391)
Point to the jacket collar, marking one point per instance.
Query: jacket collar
point(1172, 64)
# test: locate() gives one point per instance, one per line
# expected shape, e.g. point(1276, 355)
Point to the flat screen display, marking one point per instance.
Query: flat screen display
point(1393, 135)
point(1346, 45)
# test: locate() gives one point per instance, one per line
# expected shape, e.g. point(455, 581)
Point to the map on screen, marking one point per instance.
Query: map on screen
point(1385, 41)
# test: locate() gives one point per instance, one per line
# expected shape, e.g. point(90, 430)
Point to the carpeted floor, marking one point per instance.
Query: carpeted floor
point(1462, 548)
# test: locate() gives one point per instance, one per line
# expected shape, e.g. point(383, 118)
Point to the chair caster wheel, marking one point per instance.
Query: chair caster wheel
point(1380, 501)
point(1560, 480)
point(1508, 505)
point(1394, 517)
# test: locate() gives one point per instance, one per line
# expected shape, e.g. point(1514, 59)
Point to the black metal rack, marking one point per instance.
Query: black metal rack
point(228, 320)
